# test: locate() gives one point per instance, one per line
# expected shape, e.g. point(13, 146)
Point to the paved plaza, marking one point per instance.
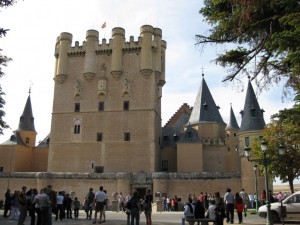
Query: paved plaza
point(119, 218)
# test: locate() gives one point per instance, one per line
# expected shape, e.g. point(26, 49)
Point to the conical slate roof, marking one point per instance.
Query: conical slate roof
point(232, 124)
point(26, 122)
point(205, 109)
point(252, 115)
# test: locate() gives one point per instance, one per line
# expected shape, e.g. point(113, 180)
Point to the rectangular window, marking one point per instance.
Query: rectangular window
point(77, 129)
point(99, 136)
point(127, 136)
point(126, 105)
point(27, 140)
point(247, 141)
point(101, 106)
point(77, 107)
point(164, 165)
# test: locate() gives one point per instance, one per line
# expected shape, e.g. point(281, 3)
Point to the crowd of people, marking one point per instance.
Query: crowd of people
point(40, 206)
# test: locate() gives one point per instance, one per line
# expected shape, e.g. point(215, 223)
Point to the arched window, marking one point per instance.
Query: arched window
point(77, 124)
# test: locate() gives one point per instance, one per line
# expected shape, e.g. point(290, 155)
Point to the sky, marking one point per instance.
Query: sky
point(34, 26)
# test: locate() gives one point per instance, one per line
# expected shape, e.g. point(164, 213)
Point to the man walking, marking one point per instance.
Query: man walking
point(229, 201)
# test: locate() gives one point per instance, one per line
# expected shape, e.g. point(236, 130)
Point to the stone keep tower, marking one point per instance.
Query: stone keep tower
point(106, 113)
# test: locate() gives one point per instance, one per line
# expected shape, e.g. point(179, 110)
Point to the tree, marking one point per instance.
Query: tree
point(3, 62)
point(284, 129)
point(266, 38)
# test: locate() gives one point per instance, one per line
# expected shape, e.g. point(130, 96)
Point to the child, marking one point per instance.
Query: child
point(239, 206)
point(76, 206)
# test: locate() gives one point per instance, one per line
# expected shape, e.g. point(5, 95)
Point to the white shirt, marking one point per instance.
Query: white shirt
point(60, 199)
point(100, 196)
point(187, 212)
point(211, 212)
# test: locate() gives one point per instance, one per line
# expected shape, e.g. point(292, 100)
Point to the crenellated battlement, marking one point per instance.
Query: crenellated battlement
point(149, 46)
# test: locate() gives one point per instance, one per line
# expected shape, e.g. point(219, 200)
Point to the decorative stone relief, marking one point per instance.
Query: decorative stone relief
point(77, 88)
point(126, 84)
point(101, 89)
point(60, 78)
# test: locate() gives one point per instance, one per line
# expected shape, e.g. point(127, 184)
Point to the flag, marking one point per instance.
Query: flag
point(103, 25)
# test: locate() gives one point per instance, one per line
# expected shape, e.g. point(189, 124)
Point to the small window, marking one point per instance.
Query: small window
point(234, 134)
point(126, 105)
point(253, 111)
point(99, 136)
point(27, 140)
point(247, 141)
point(77, 129)
point(164, 165)
point(101, 106)
point(77, 107)
point(127, 136)
point(227, 135)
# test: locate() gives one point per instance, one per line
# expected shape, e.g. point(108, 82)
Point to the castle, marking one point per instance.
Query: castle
point(106, 127)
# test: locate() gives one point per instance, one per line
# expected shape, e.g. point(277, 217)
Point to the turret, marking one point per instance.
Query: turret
point(146, 52)
point(118, 41)
point(92, 37)
point(63, 45)
point(26, 128)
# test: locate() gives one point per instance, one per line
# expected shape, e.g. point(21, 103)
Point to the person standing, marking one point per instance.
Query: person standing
point(239, 206)
point(44, 203)
point(220, 209)
point(89, 201)
point(68, 204)
point(169, 203)
point(148, 206)
point(189, 211)
point(121, 202)
point(245, 199)
point(53, 204)
point(36, 204)
point(31, 208)
point(23, 206)
point(199, 210)
point(99, 204)
point(211, 214)
point(229, 201)
point(76, 206)
point(7, 204)
point(135, 208)
point(59, 202)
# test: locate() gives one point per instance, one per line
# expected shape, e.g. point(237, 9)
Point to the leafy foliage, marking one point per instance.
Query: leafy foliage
point(3, 62)
point(284, 129)
point(267, 35)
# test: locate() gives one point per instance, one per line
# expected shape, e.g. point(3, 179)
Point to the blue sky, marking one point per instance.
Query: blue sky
point(34, 26)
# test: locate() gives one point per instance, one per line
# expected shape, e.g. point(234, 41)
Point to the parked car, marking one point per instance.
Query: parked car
point(292, 204)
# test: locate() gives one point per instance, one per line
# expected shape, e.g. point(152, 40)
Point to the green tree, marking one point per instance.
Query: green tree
point(284, 129)
point(266, 38)
point(3, 62)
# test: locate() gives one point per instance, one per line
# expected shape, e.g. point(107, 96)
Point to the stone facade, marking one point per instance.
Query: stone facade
point(106, 127)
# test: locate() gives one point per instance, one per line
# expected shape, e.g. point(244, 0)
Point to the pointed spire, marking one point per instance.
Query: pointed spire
point(232, 124)
point(252, 115)
point(26, 122)
point(205, 109)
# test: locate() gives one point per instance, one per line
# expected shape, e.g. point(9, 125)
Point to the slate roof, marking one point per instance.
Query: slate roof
point(205, 108)
point(252, 115)
point(26, 122)
point(232, 124)
point(44, 143)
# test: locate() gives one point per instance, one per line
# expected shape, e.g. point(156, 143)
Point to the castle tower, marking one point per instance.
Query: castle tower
point(205, 120)
point(26, 131)
point(251, 127)
point(106, 113)
point(232, 143)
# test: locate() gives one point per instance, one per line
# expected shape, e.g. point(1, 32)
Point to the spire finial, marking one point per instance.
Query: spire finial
point(202, 71)
point(249, 77)
point(30, 84)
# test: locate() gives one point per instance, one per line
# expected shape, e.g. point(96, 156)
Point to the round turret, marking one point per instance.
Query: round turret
point(118, 41)
point(92, 34)
point(146, 51)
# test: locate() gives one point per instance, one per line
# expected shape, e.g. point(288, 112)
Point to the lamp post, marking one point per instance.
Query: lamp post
point(256, 191)
point(264, 148)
